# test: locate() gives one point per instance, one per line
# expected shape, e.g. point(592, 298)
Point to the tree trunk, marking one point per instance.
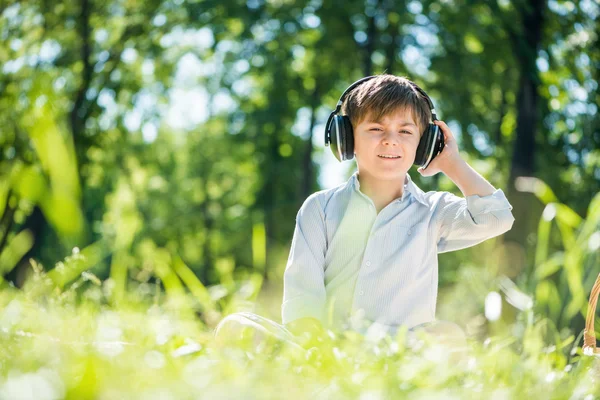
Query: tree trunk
point(78, 112)
point(503, 107)
point(369, 46)
point(307, 164)
point(207, 258)
point(270, 201)
point(523, 161)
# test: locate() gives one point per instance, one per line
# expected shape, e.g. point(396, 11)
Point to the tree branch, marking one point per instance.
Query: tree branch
point(7, 217)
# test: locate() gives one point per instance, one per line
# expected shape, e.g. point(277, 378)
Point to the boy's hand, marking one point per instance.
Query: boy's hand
point(447, 158)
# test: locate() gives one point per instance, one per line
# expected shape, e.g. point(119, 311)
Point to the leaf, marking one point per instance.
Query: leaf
point(538, 187)
point(566, 215)
point(29, 183)
point(543, 236)
point(547, 295)
point(550, 265)
point(87, 258)
point(591, 223)
point(17, 247)
point(193, 283)
point(594, 206)
point(472, 44)
point(63, 212)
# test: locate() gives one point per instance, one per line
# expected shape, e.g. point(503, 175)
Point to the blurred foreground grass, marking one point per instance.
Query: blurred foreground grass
point(146, 331)
point(73, 343)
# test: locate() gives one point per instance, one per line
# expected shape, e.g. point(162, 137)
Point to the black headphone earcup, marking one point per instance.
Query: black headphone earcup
point(429, 145)
point(334, 137)
point(420, 154)
point(348, 138)
point(342, 138)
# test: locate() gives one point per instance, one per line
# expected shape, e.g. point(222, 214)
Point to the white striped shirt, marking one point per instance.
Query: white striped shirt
point(350, 267)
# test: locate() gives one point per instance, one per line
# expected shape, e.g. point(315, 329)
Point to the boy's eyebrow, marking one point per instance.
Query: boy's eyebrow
point(404, 123)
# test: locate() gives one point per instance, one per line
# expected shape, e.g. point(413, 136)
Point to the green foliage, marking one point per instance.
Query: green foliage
point(77, 345)
point(565, 269)
point(165, 147)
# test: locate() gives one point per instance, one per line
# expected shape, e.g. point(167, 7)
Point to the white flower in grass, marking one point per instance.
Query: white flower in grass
point(155, 359)
point(163, 329)
point(372, 395)
point(594, 241)
point(199, 373)
point(493, 306)
point(43, 384)
point(109, 334)
point(11, 314)
point(502, 394)
point(157, 394)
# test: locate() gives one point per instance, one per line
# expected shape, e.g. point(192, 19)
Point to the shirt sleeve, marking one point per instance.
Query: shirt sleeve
point(304, 276)
point(465, 222)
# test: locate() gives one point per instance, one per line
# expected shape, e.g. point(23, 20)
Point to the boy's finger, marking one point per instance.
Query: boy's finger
point(445, 128)
point(423, 172)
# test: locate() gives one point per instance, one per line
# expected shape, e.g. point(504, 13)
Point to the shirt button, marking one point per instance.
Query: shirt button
point(409, 231)
point(361, 292)
point(368, 265)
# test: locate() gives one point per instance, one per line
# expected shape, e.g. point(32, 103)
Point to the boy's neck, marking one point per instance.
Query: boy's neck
point(382, 192)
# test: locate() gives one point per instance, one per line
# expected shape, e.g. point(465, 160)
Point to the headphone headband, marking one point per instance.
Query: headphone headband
point(348, 90)
point(431, 107)
point(358, 82)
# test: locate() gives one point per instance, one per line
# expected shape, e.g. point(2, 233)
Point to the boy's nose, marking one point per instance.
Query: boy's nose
point(390, 141)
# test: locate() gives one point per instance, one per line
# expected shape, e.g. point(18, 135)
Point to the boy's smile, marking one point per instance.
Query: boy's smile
point(385, 149)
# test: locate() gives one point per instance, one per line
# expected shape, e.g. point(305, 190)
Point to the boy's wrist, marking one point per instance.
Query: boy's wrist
point(468, 180)
point(456, 169)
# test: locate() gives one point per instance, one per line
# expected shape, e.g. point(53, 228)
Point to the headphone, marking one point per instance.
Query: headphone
point(338, 131)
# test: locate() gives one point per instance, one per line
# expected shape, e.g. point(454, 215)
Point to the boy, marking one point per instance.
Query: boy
point(364, 254)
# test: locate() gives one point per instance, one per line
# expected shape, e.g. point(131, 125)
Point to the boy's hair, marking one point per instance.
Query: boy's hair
point(384, 95)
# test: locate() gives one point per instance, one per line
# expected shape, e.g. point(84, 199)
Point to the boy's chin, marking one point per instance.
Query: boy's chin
point(388, 175)
point(393, 175)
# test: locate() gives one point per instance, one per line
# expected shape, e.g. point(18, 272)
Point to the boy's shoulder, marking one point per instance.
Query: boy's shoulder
point(320, 199)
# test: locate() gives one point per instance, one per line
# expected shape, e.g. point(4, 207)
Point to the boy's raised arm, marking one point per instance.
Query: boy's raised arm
point(483, 213)
point(465, 222)
point(303, 307)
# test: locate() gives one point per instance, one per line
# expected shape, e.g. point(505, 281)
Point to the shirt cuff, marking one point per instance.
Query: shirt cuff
point(496, 201)
point(301, 307)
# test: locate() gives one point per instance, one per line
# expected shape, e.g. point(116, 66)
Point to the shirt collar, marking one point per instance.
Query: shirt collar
point(409, 186)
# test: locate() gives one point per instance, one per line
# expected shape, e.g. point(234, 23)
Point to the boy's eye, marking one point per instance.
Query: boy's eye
point(381, 130)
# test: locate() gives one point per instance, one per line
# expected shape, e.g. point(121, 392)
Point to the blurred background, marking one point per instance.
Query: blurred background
point(169, 144)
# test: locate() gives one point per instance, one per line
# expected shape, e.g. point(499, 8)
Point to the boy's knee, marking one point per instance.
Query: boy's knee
point(447, 332)
point(446, 327)
point(244, 328)
point(233, 327)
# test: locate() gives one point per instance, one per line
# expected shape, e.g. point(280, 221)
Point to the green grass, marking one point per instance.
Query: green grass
point(75, 344)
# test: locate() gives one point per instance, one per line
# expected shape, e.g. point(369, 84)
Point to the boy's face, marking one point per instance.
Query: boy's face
point(396, 135)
